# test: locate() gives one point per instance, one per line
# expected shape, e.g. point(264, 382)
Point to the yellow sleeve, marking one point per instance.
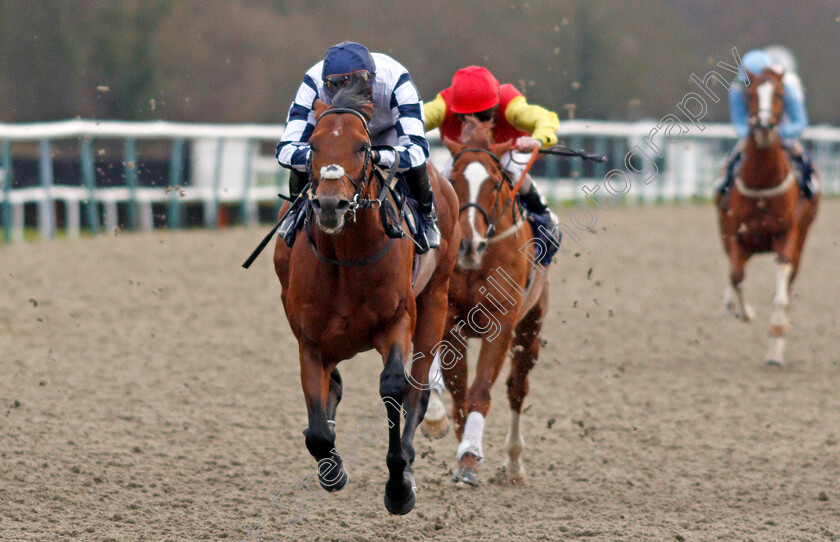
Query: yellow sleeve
point(435, 112)
point(541, 123)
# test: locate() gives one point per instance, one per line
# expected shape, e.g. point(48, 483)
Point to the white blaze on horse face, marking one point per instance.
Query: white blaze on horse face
point(475, 173)
point(765, 93)
point(332, 171)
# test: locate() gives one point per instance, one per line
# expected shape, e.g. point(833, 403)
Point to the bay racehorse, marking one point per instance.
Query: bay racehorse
point(347, 288)
point(497, 294)
point(765, 210)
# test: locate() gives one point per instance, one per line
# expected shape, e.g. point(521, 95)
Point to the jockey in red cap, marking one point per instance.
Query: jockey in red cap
point(475, 92)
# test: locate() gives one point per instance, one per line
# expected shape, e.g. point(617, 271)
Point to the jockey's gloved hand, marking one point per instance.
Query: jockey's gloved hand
point(527, 144)
point(383, 157)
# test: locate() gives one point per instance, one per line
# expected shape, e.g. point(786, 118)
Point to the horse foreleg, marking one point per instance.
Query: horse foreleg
point(490, 360)
point(526, 350)
point(394, 348)
point(779, 321)
point(737, 262)
point(320, 435)
point(456, 377)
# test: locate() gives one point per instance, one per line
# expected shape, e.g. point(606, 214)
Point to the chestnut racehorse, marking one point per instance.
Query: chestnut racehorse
point(347, 288)
point(765, 211)
point(495, 294)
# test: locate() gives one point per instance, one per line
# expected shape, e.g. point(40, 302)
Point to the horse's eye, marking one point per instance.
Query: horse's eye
point(363, 149)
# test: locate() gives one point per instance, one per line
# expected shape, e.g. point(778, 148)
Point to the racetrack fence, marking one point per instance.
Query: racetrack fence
point(69, 177)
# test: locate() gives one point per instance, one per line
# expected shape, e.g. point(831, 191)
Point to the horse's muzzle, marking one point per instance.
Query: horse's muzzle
point(471, 253)
point(764, 135)
point(330, 212)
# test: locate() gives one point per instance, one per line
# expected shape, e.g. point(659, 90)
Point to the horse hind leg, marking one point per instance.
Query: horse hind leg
point(779, 322)
point(435, 422)
point(449, 355)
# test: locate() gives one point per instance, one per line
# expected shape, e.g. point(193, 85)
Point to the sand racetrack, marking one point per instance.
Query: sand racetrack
point(150, 391)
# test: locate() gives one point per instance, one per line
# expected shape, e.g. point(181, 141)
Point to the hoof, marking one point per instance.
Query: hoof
point(435, 429)
point(729, 310)
point(510, 476)
point(334, 482)
point(748, 315)
point(466, 475)
point(773, 363)
point(401, 507)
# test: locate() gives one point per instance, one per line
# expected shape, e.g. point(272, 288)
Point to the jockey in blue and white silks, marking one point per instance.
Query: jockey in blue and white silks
point(397, 121)
point(794, 118)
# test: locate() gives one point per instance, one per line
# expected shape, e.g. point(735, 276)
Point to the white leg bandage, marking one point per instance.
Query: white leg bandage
point(436, 375)
point(471, 441)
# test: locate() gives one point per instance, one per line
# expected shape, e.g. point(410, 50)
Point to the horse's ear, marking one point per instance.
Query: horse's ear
point(453, 146)
point(498, 149)
point(320, 107)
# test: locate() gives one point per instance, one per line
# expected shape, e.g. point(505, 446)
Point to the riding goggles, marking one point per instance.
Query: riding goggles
point(332, 83)
point(482, 116)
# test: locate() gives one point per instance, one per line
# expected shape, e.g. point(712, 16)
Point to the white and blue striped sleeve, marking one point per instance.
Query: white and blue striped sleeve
point(407, 110)
point(293, 150)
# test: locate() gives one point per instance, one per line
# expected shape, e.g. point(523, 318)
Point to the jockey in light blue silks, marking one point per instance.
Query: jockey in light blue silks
point(794, 119)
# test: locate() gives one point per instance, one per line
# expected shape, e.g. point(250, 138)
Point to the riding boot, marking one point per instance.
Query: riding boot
point(732, 161)
point(289, 222)
point(418, 182)
point(534, 203)
point(297, 181)
point(807, 183)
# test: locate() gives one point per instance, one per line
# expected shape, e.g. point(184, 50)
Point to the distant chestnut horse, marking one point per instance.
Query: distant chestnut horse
point(495, 294)
point(347, 288)
point(765, 211)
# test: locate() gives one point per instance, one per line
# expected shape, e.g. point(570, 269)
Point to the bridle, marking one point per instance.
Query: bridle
point(358, 202)
point(492, 236)
point(365, 176)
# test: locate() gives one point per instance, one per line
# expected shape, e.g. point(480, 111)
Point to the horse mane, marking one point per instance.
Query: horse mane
point(475, 133)
point(357, 96)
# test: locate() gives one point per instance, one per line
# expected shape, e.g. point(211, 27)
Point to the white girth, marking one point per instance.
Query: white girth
point(765, 192)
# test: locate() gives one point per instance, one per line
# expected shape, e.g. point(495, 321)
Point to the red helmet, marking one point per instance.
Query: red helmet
point(474, 89)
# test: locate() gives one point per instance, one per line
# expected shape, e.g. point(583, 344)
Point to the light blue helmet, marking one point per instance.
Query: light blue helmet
point(755, 62)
